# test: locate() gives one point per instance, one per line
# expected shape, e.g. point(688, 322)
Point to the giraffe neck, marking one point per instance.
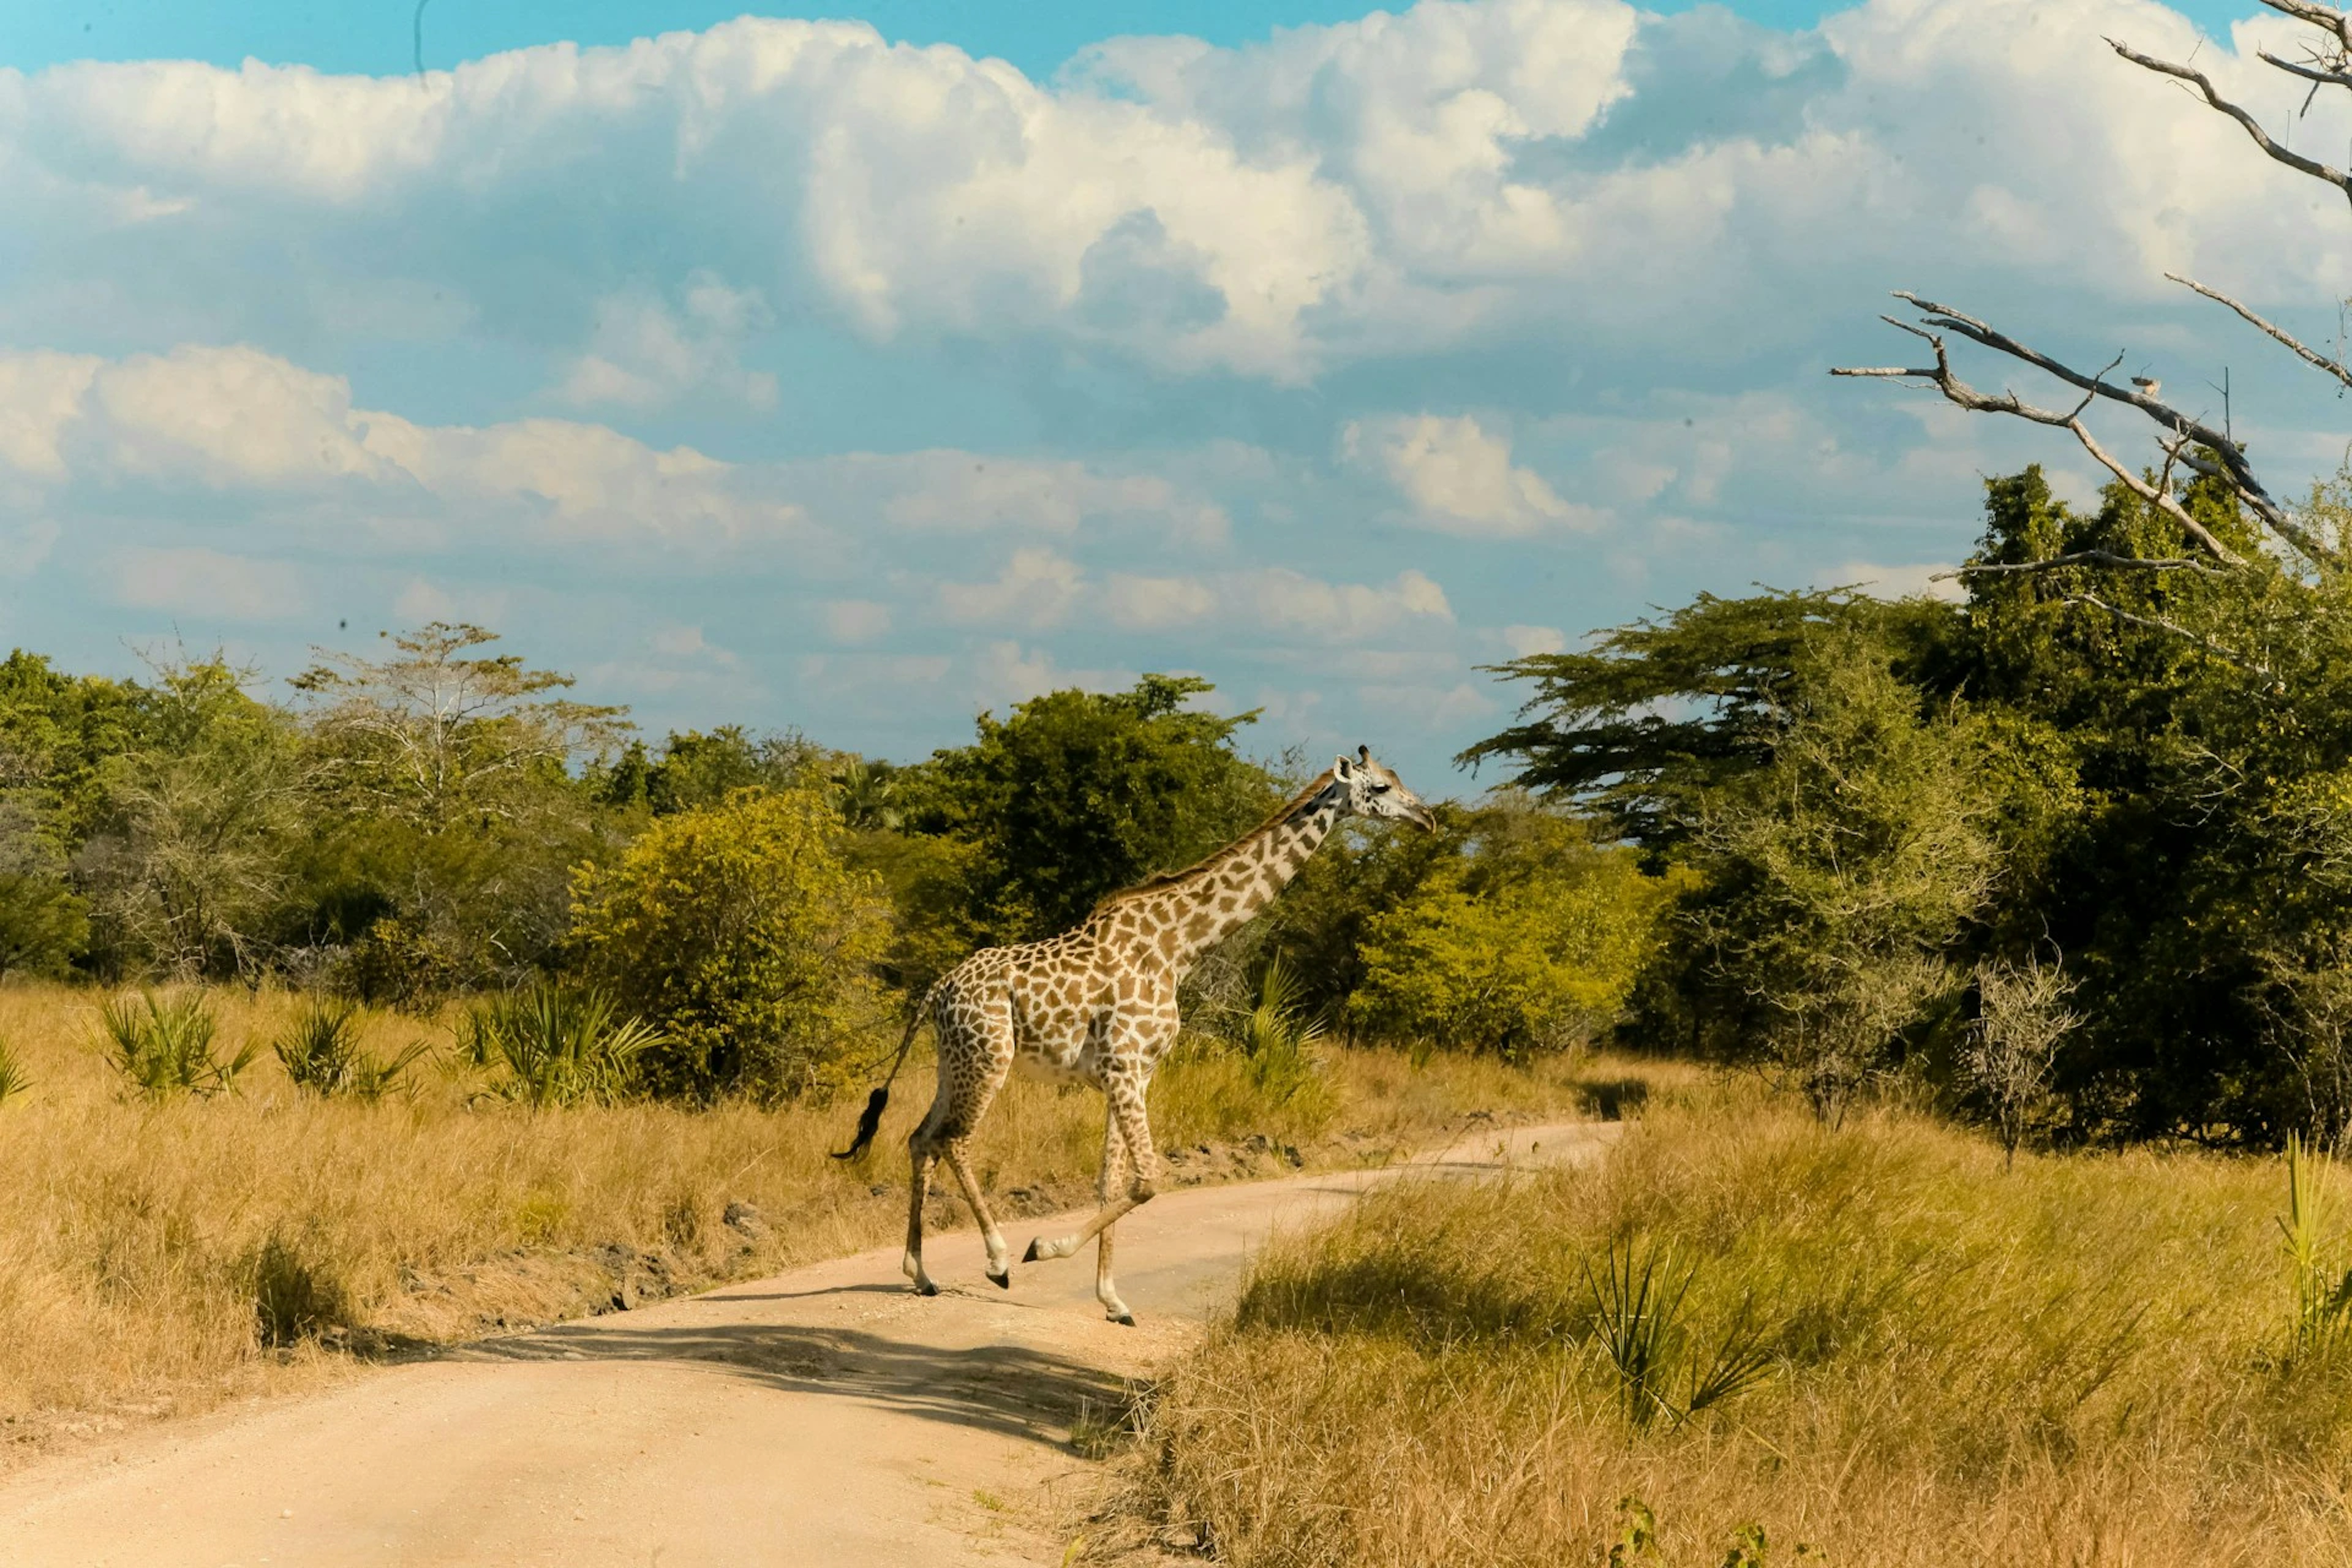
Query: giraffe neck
point(1218, 896)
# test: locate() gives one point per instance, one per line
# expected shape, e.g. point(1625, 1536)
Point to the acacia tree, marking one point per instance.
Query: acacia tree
point(459, 819)
point(439, 734)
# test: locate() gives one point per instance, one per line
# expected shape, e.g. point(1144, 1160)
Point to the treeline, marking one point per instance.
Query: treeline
point(2076, 850)
point(433, 819)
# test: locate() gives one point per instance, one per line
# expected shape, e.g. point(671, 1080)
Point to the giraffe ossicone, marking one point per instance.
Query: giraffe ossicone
point(1098, 1004)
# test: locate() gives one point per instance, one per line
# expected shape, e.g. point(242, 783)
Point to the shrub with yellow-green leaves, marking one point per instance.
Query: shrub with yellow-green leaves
point(1531, 942)
point(739, 931)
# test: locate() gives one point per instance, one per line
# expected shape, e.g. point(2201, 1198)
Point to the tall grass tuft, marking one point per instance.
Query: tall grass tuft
point(1637, 1322)
point(2075, 1363)
point(294, 1298)
point(550, 1046)
point(165, 1046)
point(322, 1053)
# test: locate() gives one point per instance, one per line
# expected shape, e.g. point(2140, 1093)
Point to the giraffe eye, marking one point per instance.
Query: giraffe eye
point(1379, 789)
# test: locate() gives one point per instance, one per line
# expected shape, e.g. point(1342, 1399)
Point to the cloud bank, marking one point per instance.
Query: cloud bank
point(1331, 367)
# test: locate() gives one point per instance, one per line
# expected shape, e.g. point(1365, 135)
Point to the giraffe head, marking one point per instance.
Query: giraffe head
point(1370, 790)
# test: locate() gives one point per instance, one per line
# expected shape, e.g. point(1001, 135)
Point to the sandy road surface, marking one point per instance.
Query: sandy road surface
point(818, 1417)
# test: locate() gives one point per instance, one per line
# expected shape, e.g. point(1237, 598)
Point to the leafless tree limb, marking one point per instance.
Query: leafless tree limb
point(1940, 376)
point(2317, 74)
point(2183, 432)
point(2309, 357)
point(2081, 558)
point(2174, 628)
point(2254, 127)
point(2319, 16)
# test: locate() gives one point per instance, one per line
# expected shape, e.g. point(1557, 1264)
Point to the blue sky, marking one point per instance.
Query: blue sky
point(780, 374)
point(377, 36)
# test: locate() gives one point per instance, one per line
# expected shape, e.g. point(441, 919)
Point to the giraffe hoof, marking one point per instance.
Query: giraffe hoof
point(925, 1288)
point(1031, 1256)
point(1124, 1320)
point(1001, 1282)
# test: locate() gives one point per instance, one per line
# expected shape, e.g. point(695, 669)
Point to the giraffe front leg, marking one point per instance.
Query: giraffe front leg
point(999, 1272)
point(1110, 1183)
point(919, 1153)
point(1105, 1292)
point(1125, 1092)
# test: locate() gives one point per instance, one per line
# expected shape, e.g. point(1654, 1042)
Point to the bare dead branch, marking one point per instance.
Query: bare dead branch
point(2083, 558)
point(2158, 623)
point(2317, 74)
point(2240, 473)
point(2254, 127)
point(2309, 357)
point(2326, 17)
point(1941, 377)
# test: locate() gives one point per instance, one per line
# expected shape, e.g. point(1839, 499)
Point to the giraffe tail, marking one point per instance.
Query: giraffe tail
point(869, 1120)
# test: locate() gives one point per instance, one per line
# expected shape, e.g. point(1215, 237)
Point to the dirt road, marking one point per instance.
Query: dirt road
point(822, 1417)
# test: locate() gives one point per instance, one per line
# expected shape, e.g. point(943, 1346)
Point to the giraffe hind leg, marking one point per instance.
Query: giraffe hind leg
point(918, 1155)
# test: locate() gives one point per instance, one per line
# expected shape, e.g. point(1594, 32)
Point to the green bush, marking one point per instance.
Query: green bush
point(44, 926)
point(553, 1047)
point(1532, 943)
point(165, 1046)
point(739, 931)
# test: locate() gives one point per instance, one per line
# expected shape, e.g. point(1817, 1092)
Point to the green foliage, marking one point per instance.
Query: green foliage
point(1636, 1545)
point(1654, 717)
point(437, 734)
point(2150, 770)
point(1319, 925)
point(554, 1046)
point(188, 852)
point(163, 1044)
point(1837, 874)
point(695, 771)
point(1077, 795)
point(322, 1053)
point(44, 924)
point(1527, 938)
point(452, 814)
point(742, 932)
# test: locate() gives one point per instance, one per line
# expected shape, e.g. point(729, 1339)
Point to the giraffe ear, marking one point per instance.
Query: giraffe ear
point(1342, 769)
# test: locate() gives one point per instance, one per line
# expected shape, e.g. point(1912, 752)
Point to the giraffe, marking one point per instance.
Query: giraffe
point(1098, 1004)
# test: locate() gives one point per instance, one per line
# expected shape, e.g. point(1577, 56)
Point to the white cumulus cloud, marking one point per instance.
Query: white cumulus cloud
point(1459, 478)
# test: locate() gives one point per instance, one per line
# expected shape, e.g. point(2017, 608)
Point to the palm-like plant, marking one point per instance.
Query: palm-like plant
point(322, 1055)
point(1637, 1303)
point(165, 1046)
point(552, 1046)
point(13, 1081)
point(1278, 1035)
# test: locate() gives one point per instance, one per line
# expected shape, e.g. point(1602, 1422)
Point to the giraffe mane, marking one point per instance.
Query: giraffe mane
point(1281, 814)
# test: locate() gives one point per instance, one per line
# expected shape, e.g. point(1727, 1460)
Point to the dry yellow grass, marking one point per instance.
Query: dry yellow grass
point(2083, 1361)
point(144, 1248)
